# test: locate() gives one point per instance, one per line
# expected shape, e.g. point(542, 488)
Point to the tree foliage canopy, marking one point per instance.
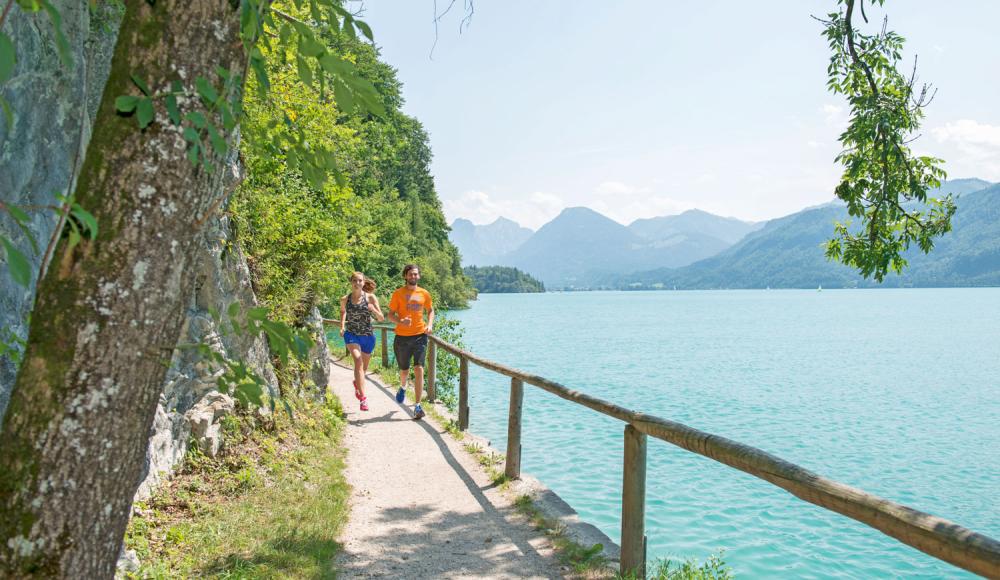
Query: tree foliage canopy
point(303, 238)
point(502, 279)
point(884, 183)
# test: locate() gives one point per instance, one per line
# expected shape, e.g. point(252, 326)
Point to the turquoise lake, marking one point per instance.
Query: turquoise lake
point(896, 392)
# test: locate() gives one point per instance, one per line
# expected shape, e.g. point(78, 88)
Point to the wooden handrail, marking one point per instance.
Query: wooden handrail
point(933, 535)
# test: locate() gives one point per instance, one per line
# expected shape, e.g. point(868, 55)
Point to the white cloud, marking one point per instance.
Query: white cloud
point(975, 148)
point(479, 208)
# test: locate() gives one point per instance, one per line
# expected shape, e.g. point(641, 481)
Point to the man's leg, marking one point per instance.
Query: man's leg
point(418, 382)
point(402, 359)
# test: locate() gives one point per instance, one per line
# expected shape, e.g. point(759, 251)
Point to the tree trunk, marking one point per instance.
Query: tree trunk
point(109, 311)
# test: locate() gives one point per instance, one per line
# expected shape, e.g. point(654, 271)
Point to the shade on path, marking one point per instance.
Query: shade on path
point(421, 507)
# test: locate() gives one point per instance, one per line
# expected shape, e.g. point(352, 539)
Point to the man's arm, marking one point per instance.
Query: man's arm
point(394, 316)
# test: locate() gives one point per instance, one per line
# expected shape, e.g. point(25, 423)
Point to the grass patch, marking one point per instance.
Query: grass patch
point(588, 562)
point(270, 506)
point(714, 568)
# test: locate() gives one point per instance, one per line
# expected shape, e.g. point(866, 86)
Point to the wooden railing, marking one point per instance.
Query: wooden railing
point(942, 539)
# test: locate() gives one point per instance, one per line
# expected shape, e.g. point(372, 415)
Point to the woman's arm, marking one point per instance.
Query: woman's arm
point(375, 308)
point(343, 314)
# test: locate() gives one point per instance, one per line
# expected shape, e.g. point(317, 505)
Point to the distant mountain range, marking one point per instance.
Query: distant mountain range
point(484, 245)
point(581, 246)
point(788, 253)
point(582, 249)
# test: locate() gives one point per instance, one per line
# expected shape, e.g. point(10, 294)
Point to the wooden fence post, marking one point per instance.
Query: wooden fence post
point(633, 556)
point(431, 370)
point(463, 393)
point(385, 347)
point(513, 467)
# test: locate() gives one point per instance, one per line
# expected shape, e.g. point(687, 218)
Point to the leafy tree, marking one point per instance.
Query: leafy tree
point(500, 279)
point(110, 309)
point(881, 176)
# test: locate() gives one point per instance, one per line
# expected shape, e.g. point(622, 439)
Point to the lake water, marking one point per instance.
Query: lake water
point(896, 392)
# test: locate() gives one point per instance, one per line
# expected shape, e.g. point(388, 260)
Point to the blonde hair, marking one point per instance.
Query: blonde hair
point(369, 285)
point(357, 275)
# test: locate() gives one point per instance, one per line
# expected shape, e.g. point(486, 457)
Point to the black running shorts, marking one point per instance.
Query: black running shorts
point(410, 347)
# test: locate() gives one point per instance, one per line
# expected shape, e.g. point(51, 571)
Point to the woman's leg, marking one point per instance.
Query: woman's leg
point(359, 373)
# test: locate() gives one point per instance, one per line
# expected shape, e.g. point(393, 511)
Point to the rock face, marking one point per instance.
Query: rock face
point(191, 408)
point(54, 108)
point(40, 154)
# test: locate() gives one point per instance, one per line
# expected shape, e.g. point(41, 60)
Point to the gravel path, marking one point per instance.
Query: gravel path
point(421, 507)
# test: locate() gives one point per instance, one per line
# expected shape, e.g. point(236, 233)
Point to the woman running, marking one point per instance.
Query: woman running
point(356, 312)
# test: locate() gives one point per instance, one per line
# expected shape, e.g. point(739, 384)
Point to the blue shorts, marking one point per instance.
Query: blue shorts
point(365, 341)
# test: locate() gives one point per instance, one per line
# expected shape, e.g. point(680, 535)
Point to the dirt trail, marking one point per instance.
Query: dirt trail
point(421, 506)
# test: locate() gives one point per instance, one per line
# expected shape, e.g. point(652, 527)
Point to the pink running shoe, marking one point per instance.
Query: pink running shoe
point(364, 404)
point(357, 392)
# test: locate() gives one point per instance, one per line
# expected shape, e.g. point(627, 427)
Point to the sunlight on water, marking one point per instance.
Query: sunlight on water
point(893, 391)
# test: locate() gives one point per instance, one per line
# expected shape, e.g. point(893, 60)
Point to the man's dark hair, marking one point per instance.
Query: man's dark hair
point(408, 267)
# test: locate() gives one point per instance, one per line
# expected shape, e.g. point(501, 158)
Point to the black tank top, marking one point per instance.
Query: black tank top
point(359, 319)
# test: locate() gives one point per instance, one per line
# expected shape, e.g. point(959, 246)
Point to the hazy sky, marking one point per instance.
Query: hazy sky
point(646, 108)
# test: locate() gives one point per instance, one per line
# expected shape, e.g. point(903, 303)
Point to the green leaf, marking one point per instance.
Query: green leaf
point(250, 392)
point(87, 219)
point(310, 47)
point(197, 119)
point(8, 112)
point(343, 96)
point(7, 57)
point(257, 314)
point(365, 29)
point(217, 140)
point(172, 111)
point(348, 27)
point(74, 236)
point(249, 22)
point(141, 84)
point(144, 112)
point(191, 135)
point(336, 65)
point(126, 103)
point(259, 66)
point(206, 90)
point(30, 5)
point(234, 309)
point(20, 269)
point(18, 214)
point(62, 44)
point(23, 221)
point(305, 71)
point(365, 92)
point(284, 33)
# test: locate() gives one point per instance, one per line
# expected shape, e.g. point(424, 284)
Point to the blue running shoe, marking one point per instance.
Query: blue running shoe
point(401, 395)
point(418, 413)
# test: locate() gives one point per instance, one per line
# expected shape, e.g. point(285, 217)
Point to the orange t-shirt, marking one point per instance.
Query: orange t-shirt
point(405, 302)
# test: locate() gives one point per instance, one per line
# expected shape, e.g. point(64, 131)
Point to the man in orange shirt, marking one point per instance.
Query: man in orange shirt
point(406, 309)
